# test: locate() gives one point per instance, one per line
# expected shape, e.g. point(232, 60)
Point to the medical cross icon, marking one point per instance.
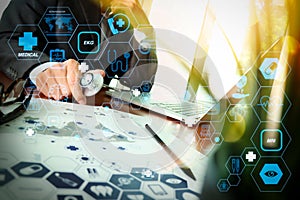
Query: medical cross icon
point(83, 67)
point(28, 41)
point(250, 156)
point(73, 148)
point(120, 22)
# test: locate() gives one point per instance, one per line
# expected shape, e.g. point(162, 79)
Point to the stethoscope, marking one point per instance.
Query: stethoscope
point(91, 83)
point(114, 64)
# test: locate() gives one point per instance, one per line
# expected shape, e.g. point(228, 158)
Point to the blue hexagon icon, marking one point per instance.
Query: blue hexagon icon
point(27, 41)
point(270, 174)
point(223, 185)
point(269, 68)
point(58, 23)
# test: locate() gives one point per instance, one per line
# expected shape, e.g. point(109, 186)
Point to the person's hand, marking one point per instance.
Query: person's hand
point(62, 80)
point(129, 8)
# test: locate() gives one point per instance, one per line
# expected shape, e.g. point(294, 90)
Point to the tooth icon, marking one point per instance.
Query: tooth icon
point(103, 190)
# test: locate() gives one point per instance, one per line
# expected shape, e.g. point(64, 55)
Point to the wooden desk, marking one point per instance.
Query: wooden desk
point(191, 135)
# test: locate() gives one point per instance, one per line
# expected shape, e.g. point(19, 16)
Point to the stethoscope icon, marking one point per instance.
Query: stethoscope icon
point(116, 65)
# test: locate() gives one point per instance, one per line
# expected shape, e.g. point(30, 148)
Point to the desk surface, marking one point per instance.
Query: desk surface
point(60, 150)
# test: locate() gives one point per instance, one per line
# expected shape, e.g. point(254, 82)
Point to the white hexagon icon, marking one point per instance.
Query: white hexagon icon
point(269, 68)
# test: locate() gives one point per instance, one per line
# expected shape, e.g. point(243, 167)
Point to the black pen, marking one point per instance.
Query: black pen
point(181, 165)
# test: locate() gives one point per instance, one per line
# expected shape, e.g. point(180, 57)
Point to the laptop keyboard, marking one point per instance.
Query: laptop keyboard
point(185, 108)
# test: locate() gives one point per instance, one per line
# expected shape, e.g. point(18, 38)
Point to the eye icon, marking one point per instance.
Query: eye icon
point(271, 173)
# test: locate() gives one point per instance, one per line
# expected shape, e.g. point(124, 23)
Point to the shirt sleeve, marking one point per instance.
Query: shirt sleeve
point(20, 16)
point(142, 62)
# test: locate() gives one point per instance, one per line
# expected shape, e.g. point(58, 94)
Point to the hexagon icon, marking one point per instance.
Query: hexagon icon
point(87, 41)
point(268, 68)
point(205, 130)
point(29, 169)
point(65, 180)
point(265, 104)
point(173, 181)
point(235, 165)
point(6, 159)
point(55, 89)
point(27, 42)
point(92, 173)
point(270, 140)
point(144, 174)
point(120, 24)
point(118, 59)
point(244, 90)
point(205, 146)
point(250, 156)
point(223, 185)
point(146, 48)
point(57, 52)
point(217, 138)
point(54, 162)
point(135, 195)
point(237, 113)
point(69, 197)
point(116, 103)
point(58, 24)
point(125, 181)
point(187, 194)
point(30, 188)
point(5, 177)
point(101, 190)
point(35, 106)
point(272, 66)
point(69, 194)
point(271, 174)
point(234, 179)
point(158, 190)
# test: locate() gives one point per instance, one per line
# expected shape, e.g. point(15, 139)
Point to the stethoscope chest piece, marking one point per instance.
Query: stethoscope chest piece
point(91, 83)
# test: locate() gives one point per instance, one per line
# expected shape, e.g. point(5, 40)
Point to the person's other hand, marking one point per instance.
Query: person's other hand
point(62, 80)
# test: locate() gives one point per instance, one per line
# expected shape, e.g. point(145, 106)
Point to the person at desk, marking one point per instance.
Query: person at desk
point(27, 19)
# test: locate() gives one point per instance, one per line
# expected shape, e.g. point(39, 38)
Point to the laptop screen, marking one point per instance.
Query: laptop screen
point(196, 58)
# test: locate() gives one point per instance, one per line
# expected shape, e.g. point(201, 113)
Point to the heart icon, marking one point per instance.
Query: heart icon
point(270, 104)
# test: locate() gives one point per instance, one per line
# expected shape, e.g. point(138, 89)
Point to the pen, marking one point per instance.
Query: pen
point(181, 165)
point(114, 88)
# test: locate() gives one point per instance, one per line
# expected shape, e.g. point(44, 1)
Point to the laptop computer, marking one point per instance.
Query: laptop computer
point(185, 97)
point(188, 112)
point(188, 106)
